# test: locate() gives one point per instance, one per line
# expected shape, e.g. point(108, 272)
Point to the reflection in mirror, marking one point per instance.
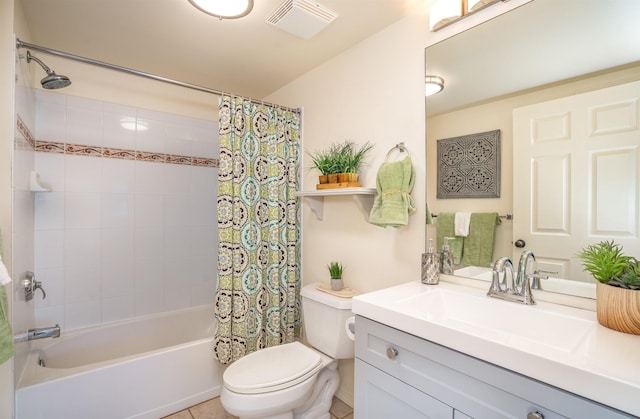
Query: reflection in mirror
point(531, 67)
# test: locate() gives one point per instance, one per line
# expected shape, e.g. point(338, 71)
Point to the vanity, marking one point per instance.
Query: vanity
point(449, 351)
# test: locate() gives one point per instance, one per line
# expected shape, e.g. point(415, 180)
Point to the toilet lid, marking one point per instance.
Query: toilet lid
point(272, 369)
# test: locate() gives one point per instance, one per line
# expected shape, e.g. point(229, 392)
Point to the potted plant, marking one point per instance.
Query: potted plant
point(617, 286)
point(355, 159)
point(335, 273)
point(339, 163)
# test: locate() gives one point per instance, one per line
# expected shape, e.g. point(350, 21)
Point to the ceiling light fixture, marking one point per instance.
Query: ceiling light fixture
point(433, 85)
point(446, 12)
point(224, 9)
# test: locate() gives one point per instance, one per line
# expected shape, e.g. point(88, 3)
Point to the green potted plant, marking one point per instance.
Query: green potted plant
point(617, 285)
point(335, 273)
point(339, 163)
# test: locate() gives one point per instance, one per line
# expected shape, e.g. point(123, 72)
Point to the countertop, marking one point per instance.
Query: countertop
point(603, 365)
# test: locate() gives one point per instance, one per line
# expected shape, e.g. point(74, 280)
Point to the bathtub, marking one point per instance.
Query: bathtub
point(147, 367)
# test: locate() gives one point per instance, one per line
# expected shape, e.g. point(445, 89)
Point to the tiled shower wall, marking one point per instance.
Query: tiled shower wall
point(129, 227)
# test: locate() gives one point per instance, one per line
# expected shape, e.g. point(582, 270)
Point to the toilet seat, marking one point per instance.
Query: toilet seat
point(272, 369)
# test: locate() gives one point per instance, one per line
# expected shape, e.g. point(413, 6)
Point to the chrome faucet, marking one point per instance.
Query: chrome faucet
point(43, 332)
point(513, 288)
point(526, 257)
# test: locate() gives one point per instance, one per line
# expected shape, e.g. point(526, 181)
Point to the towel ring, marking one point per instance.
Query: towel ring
point(401, 149)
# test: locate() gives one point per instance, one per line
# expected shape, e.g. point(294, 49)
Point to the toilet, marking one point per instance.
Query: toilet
point(294, 380)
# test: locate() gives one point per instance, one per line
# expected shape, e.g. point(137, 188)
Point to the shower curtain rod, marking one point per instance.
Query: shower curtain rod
point(22, 44)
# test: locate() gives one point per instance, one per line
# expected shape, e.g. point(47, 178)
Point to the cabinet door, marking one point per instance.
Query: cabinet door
point(381, 396)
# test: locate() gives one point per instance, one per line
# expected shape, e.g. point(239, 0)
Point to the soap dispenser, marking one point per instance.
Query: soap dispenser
point(430, 266)
point(446, 257)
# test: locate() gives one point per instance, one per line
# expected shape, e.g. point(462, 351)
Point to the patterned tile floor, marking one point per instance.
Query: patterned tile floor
point(212, 409)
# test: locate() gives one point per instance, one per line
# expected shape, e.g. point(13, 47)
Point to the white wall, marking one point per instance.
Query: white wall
point(373, 92)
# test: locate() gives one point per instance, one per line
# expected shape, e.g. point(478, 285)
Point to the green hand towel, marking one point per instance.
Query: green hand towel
point(478, 245)
point(6, 335)
point(393, 202)
point(446, 228)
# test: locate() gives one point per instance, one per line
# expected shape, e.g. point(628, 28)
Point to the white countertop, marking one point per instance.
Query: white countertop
point(572, 352)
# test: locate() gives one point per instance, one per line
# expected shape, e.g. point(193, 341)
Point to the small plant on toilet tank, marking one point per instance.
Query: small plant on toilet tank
point(335, 273)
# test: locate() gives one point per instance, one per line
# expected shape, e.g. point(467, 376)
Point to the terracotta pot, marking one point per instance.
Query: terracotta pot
point(323, 179)
point(333, 178)
point(618, 308)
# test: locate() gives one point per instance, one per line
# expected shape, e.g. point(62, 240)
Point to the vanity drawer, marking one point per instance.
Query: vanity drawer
point(469, 385)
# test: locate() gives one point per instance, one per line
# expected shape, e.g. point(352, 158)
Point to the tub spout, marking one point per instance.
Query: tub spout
point(43, 332)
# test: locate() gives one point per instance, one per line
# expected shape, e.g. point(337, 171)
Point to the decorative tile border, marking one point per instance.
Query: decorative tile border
point(112, 153)
point(26, 133)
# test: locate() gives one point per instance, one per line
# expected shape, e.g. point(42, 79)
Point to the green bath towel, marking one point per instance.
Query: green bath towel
point(478, 245)
point(393, 202)
point(445, 227)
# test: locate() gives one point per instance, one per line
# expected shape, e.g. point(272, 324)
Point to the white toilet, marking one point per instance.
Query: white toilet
point(293, 380)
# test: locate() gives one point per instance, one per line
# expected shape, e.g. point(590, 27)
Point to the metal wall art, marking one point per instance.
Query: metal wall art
point(469, 166)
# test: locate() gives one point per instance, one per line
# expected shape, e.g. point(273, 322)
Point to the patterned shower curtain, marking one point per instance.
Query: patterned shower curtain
point(257, 302)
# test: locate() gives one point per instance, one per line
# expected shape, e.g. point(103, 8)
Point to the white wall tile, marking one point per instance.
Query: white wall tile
point(177, 211)
point(150, 135)
point(117, 279)
point(81, 247)
point(117, 308)
point(50, 117)
point(83, 174)
point(122, 238)
point(117, 246)
point(203, 210)
point(149, 244)
point(49, 249)
point(117, 210)
point(84, 121)
point(49, 210)
point(82, 210)
point(51, 167)
point(149, 177)
point(82, 314)
point(175, 178)
point(177, 243)
point(149, 210)
point(118, 121)
point(204, 180)
point(148, 288)
point(118, 176)
point(82, 283)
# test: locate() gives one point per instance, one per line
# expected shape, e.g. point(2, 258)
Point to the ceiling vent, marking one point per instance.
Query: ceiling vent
point(301, 18)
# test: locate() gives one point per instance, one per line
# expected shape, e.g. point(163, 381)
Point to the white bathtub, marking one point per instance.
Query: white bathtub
point(141, 368)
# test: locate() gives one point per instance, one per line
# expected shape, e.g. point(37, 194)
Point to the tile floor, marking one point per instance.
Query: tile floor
point(212, 409)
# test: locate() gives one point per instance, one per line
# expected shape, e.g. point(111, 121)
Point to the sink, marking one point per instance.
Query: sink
point(509, 323)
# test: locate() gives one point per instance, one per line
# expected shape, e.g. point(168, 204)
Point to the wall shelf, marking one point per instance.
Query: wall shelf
point(363, 197)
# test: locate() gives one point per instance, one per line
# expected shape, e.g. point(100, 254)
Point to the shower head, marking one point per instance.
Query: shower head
point(52, 80)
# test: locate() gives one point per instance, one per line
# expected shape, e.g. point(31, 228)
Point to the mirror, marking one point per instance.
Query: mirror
point(541, 51)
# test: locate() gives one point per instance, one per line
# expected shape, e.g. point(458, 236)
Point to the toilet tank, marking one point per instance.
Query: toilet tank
point(324, 317)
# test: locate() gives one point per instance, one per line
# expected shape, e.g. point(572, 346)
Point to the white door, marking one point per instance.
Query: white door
point(576, 169)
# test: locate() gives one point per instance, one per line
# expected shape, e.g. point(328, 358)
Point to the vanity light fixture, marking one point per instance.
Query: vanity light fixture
point(433, 85)
point(224, 9)
point(446, 12)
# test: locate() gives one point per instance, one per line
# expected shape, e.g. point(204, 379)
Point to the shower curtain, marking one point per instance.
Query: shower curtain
point(257, 302)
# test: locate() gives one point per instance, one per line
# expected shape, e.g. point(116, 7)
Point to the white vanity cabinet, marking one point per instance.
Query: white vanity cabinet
point(398, 375)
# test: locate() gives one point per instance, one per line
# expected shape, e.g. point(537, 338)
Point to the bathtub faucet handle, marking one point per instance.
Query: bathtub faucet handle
point(37, 285)
point(31, 285)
